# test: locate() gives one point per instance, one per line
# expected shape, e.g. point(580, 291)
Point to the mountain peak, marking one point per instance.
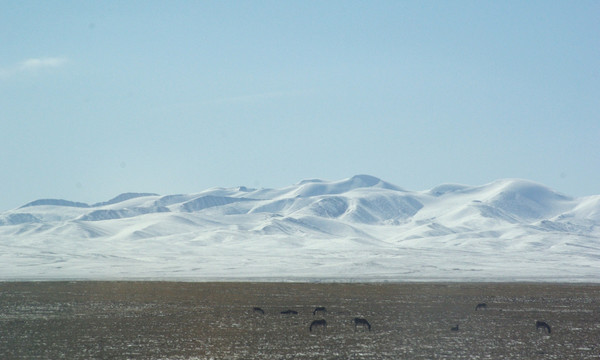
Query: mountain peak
point(55, 202)
point(316, 187)
point(310, 181)
point(123, 197)
point(366, 180)
point(526, 199)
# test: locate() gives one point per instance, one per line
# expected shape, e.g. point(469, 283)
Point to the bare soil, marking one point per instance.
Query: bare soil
point(184, 320)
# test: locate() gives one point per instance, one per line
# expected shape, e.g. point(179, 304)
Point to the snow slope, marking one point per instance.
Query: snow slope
point(356, 229)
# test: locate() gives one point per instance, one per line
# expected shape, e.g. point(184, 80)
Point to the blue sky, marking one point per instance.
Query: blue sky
point(100, 98)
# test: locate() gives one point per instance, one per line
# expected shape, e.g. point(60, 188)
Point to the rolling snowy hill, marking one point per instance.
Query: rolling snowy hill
point(356, 229)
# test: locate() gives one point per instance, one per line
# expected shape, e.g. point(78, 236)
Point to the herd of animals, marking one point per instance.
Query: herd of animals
point(322, 323)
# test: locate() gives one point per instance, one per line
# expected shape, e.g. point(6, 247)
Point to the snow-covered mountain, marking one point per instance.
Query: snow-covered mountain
point(361, 228)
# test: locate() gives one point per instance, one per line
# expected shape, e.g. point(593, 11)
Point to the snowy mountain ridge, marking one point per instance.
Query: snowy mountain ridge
point(360, 228)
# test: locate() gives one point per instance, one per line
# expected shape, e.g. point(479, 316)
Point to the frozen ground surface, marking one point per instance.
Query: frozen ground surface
point(167, 320)
point(357, 229)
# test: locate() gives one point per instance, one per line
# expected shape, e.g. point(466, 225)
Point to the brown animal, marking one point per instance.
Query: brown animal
point(481, 306)
point(543, 325)
point(319, 309)
point(362, 322)
point(318, 323)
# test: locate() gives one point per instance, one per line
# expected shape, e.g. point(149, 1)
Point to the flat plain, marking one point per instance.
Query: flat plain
point(216, 320)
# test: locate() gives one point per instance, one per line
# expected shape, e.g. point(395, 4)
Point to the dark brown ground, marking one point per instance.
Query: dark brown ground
point(171, 320)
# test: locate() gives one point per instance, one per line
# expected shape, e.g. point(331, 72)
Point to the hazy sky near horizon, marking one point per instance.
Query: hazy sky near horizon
point(100, 98)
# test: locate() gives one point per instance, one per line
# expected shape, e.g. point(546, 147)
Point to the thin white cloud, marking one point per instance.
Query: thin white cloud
point(32, 65)
point(41, 63)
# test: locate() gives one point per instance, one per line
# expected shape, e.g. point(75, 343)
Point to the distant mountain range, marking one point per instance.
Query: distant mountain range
point(360, 228)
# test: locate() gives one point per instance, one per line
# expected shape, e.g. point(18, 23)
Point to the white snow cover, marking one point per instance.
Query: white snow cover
point(356, 229)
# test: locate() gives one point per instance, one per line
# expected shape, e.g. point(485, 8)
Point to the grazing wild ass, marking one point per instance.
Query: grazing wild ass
point(481, 306)
point(362, 322)
point(318, 323)
point(543, 325)
point(258, 310)
point(319, 309)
